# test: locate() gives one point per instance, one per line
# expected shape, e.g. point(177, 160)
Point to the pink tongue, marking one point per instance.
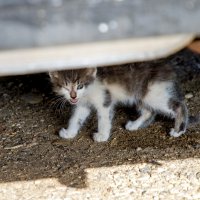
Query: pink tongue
point(73, 100)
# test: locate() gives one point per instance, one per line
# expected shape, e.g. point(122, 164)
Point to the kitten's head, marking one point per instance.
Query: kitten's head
point(72, 84)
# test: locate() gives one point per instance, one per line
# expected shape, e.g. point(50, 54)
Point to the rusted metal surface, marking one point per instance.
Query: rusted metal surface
point(195, 46)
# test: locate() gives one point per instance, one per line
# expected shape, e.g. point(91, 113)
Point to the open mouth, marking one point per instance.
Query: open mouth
point(73, 101)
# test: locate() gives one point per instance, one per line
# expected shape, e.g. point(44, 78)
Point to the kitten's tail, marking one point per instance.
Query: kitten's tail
point(193, 120)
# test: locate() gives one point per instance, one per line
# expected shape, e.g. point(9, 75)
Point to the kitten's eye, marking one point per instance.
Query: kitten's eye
point(80, 86)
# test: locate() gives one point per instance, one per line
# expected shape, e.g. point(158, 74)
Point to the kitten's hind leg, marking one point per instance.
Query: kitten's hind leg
point(181, 118)
point(145, 119)
point(78, 117)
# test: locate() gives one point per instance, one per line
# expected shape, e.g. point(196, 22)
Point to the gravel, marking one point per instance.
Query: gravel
point(145, 164)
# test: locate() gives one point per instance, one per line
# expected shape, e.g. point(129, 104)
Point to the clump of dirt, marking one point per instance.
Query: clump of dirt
point(30, 119)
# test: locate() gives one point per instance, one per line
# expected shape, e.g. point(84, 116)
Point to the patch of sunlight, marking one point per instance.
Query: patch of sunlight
point(177, 179)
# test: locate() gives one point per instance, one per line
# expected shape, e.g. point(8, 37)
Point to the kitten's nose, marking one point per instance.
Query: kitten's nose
point(73, 95)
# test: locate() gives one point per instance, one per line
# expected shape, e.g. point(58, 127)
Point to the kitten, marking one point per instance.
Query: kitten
point(153, 89)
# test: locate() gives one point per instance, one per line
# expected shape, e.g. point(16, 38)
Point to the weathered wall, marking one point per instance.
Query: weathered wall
point(30, 23)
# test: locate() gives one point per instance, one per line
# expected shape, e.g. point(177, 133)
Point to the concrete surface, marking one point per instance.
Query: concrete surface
point(176, 179)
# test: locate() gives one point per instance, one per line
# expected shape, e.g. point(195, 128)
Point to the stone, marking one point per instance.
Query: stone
point(189, 96)
point(32, 98)
point(139, 149)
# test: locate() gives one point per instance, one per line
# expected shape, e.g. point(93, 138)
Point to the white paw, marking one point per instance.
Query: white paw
point(63, 133)
point(131, 126)
point(173, 133)
point(100, 137)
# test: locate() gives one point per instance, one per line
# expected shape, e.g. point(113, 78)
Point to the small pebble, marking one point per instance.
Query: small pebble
point(145, 169)
point(189, 96)
point(21, 84)
point(10, 84)
point(32, 98)
point(5, 96)
point(139, 149)
point(114, 142)
point(198, 175)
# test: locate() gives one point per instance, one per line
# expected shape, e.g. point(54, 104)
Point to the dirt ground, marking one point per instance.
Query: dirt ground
point(30, 148)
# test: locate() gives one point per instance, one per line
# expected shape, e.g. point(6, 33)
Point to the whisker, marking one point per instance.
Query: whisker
point(55, 99)
point(56, 103)
point(63, 104)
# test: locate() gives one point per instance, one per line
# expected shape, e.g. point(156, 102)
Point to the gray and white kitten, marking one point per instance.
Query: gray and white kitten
point(153, 89)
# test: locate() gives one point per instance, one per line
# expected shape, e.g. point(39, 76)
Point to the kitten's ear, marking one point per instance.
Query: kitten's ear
point(53, 75)
point(92, 72)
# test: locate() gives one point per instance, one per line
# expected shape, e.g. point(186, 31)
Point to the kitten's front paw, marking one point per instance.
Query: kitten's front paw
point(63, 133)
point(173, 133)
point(131, 126)
point(100, 137)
